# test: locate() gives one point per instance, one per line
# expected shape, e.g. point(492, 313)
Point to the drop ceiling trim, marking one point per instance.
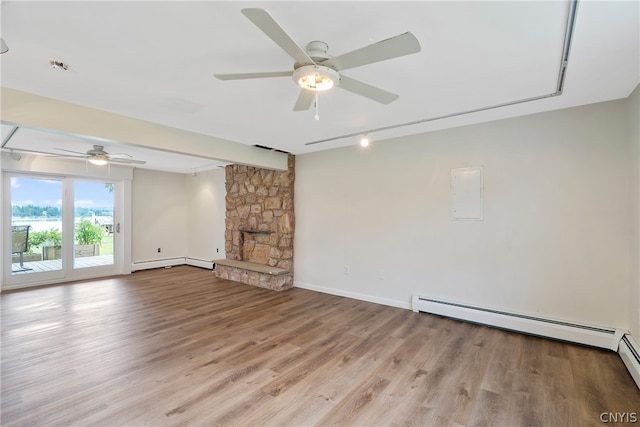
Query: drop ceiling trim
point(9, 136)
point(37, 112)
point(564, 63)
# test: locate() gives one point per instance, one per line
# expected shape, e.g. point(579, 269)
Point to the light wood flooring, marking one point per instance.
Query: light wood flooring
point(178, 347)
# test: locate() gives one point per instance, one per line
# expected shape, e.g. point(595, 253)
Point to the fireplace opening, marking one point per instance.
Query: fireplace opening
point(256, 246)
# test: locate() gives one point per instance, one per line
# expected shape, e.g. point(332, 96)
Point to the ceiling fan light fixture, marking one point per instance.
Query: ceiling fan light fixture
point(98, 160)
point(316, 77)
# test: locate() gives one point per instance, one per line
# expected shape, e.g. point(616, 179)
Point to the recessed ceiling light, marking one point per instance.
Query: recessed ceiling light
point(59, 65)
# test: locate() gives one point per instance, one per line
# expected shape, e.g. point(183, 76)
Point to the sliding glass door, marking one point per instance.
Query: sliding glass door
point(59, 228)
point(93, 208)
point(36, 228)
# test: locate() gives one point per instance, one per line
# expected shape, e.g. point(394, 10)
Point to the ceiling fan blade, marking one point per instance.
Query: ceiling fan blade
point(403, 44)
point(71, 151)
point(366, 90)
point(240, 76)
point(128, 161)
point(62, 156)
point(120, 156)
point(304, 100)
point(275, 32)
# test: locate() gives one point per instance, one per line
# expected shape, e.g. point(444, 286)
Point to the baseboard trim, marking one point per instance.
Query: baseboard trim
point(167, 262)
point(352, 295)
point(629, 352)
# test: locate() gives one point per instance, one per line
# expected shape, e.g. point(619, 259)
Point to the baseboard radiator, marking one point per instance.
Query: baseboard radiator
point(565, 331)
point(157, 263)
point(202, 263)
point(170, 262)
point(629, 352)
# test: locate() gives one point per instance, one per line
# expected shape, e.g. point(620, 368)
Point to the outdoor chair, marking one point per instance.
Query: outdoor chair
point(20, 244)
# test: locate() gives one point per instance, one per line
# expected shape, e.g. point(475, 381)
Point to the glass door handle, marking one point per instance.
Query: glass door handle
point(118, 228)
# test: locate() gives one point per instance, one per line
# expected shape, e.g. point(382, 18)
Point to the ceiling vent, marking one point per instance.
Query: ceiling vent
point(264, 147)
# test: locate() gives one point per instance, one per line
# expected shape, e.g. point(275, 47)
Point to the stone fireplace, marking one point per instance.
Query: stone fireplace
point(259, 226)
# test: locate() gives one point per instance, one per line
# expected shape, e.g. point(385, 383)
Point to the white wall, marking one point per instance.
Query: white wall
point(634, 135)
point(181, 214)
point(206, 213)
point(160, 215)
point(554, 240)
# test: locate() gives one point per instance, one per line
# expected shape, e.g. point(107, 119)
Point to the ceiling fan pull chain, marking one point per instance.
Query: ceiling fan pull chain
point(317, 116)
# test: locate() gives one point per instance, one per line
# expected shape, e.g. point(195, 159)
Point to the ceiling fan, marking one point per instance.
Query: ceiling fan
point(315, 70)
point(98, 156)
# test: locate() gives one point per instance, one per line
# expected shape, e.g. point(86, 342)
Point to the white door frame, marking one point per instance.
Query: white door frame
point(68, 171)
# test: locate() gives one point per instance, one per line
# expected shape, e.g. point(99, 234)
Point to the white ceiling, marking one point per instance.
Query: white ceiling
point(155, 61)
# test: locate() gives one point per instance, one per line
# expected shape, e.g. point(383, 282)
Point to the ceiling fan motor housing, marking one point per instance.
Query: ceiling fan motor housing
point(97, 150)
point(317, 50)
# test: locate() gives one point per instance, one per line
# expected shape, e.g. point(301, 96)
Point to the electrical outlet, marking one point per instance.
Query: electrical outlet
point(381, 274)
point(217, 250)
point(346, 269)
point(159, 250)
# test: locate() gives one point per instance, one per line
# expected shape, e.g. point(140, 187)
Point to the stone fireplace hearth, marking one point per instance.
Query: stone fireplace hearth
point(259, 227)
